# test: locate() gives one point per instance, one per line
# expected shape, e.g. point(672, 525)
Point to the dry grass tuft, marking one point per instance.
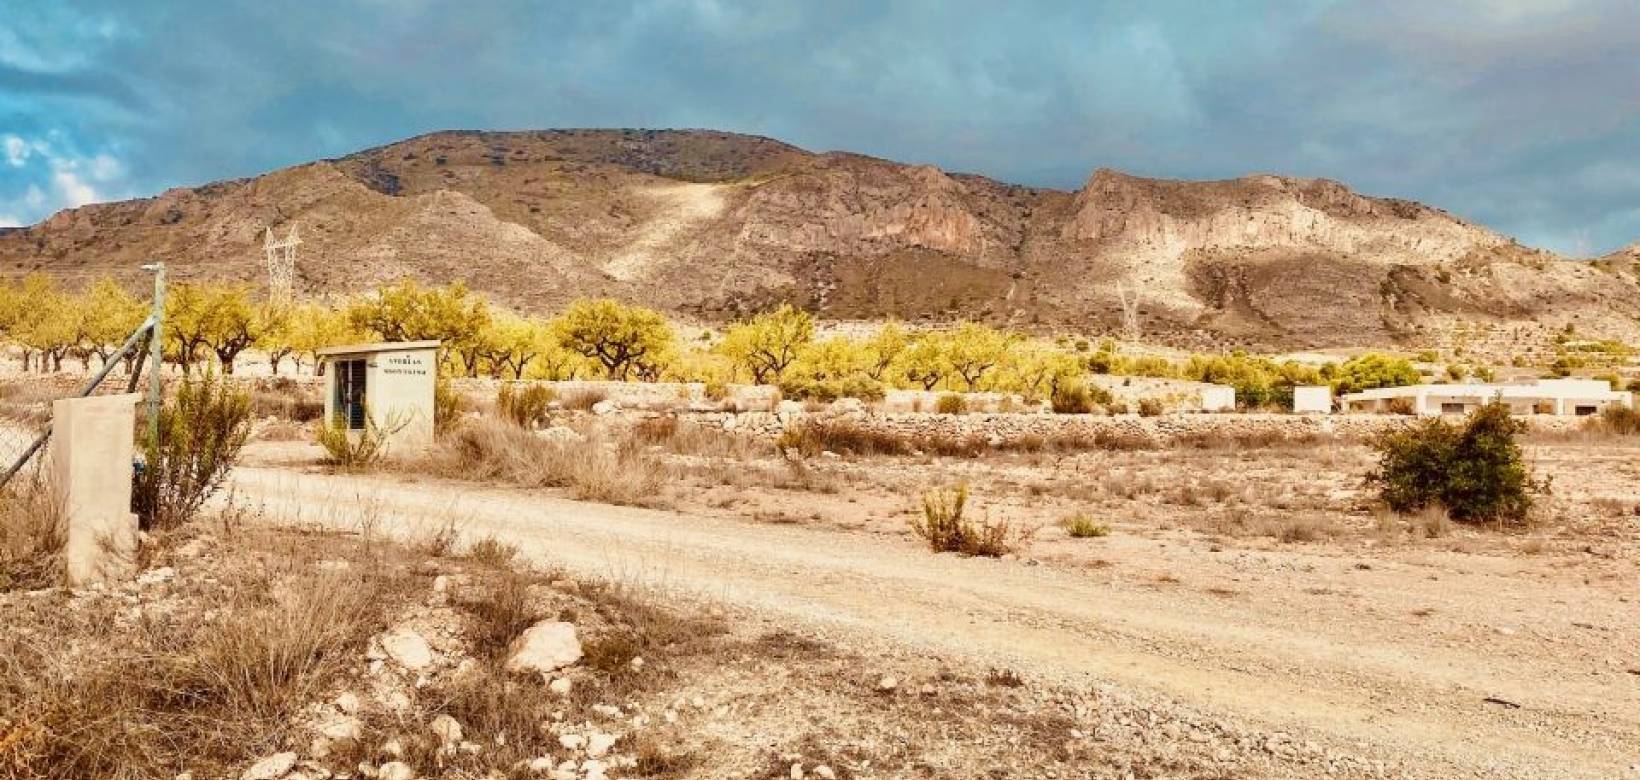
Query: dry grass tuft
point(581, 400)
point(500, 612)
point(206, 690)
point(944, 527)
point(31, 536)
point(487, 449)
point(1081, 526)
point(492, 552)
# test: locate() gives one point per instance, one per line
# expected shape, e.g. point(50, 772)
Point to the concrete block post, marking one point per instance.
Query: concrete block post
point(91, 454)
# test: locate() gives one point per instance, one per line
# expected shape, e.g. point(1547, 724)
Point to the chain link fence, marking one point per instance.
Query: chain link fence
point(26, 399)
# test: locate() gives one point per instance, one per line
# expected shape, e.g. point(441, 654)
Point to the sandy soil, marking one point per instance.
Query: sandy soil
point(1409, 660)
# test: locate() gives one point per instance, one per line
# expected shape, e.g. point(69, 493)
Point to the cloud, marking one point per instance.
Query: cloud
point(17, 150)
point(1516, 114)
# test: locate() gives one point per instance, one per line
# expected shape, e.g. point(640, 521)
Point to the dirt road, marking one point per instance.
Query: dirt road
point(1436, 663)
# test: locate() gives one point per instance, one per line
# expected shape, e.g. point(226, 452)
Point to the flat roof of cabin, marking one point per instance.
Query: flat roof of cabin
point(380, 346)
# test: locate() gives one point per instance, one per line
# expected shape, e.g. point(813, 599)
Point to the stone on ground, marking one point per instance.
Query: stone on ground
point(270, 768)
point(447, 729)
point(544, 647)
point(406, 648)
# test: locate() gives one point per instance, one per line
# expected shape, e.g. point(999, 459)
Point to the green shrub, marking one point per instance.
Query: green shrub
point(945, 529)
point(1474, 469)
point(717, 391)
point(357, 450)
point(1078, 398)
point(200, 433)
point(951, 403)
point(1149, 407)
point(1083, 527)
point(828, 390)
point(1373, 370)
point(525, 407)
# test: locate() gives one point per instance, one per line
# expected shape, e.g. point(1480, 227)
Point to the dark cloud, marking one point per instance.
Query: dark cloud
point(1520, 115)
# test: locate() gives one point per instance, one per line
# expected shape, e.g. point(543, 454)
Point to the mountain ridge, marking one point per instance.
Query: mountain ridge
point(708, 224)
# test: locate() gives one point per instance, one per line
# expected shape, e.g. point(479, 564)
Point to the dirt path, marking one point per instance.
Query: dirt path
point(1392, 660)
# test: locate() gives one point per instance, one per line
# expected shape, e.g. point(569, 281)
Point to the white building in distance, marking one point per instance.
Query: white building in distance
point(1545, 396)
point(1218, 398)
point(1312, 399)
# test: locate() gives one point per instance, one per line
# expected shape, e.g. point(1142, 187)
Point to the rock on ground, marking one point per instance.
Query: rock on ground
point(544, 647)
point(406, 648)
point(270, 768)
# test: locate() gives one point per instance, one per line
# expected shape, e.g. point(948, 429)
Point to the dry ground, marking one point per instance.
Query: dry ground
point(1250, 614)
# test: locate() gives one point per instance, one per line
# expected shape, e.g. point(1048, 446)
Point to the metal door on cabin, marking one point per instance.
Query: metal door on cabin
point(350, 396)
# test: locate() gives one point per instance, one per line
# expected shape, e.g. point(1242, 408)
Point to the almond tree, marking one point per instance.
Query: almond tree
point(767, 343)
point(623, 339)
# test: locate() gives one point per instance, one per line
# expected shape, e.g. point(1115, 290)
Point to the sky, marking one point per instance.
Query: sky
point(1522, 115)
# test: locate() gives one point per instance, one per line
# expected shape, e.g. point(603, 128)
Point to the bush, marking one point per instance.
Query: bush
point(716, 391)
point(524, 407)
point(31, 536)
point(1083, 527)
point(951, 403)
point(863, 388)
point(582, 400)
point(1149, 407)
point(1618, 419)
point(488, 449)
point(1077, 398)
point(358, 450)
point(1474, 470)
point(201, 432)
point(447, 406)
point(946, 530)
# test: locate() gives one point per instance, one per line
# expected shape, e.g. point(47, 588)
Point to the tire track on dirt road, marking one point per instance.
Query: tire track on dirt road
point(1416, 707)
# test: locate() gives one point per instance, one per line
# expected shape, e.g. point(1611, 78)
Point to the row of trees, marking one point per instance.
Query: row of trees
point(608, 339)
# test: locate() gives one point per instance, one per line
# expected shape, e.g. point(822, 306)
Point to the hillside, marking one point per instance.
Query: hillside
point(708, 224)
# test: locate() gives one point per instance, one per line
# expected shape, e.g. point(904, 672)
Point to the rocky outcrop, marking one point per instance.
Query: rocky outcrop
point(854, 206)
point(1265, 212)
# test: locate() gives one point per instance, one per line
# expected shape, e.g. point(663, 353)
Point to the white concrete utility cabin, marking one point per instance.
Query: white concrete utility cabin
point(391, 382)
point(1545, 396)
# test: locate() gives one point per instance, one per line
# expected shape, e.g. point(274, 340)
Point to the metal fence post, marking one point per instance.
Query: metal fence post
point(156, 346)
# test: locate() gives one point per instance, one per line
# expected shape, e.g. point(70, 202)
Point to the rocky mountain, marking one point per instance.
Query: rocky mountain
point(709, 224)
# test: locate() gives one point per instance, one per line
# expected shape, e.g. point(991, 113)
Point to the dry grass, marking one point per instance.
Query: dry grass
point(581, 400)
point(202, 689)
point(286, 399)
point(1081, 526)
point(683, 438)
point(31, 535)
point(945, 529)
point(847, 437)
point(499, 613)
point(598, 469)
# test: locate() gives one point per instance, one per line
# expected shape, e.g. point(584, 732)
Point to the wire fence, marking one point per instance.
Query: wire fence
point(26, 399)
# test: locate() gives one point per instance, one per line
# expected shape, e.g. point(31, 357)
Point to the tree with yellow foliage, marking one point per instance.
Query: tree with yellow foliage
point(42, 320)
point(407, 311)
point(883, 348)
point(625, 340)
point(314, 326)
point(973, 350)
point(924, 363)
point(767, 343)
point(108, 315)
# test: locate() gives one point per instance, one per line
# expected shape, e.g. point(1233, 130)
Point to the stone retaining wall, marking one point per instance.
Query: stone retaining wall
point(1026, 430)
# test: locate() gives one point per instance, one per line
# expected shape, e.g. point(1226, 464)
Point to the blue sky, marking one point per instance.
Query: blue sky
point(1523, 115)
